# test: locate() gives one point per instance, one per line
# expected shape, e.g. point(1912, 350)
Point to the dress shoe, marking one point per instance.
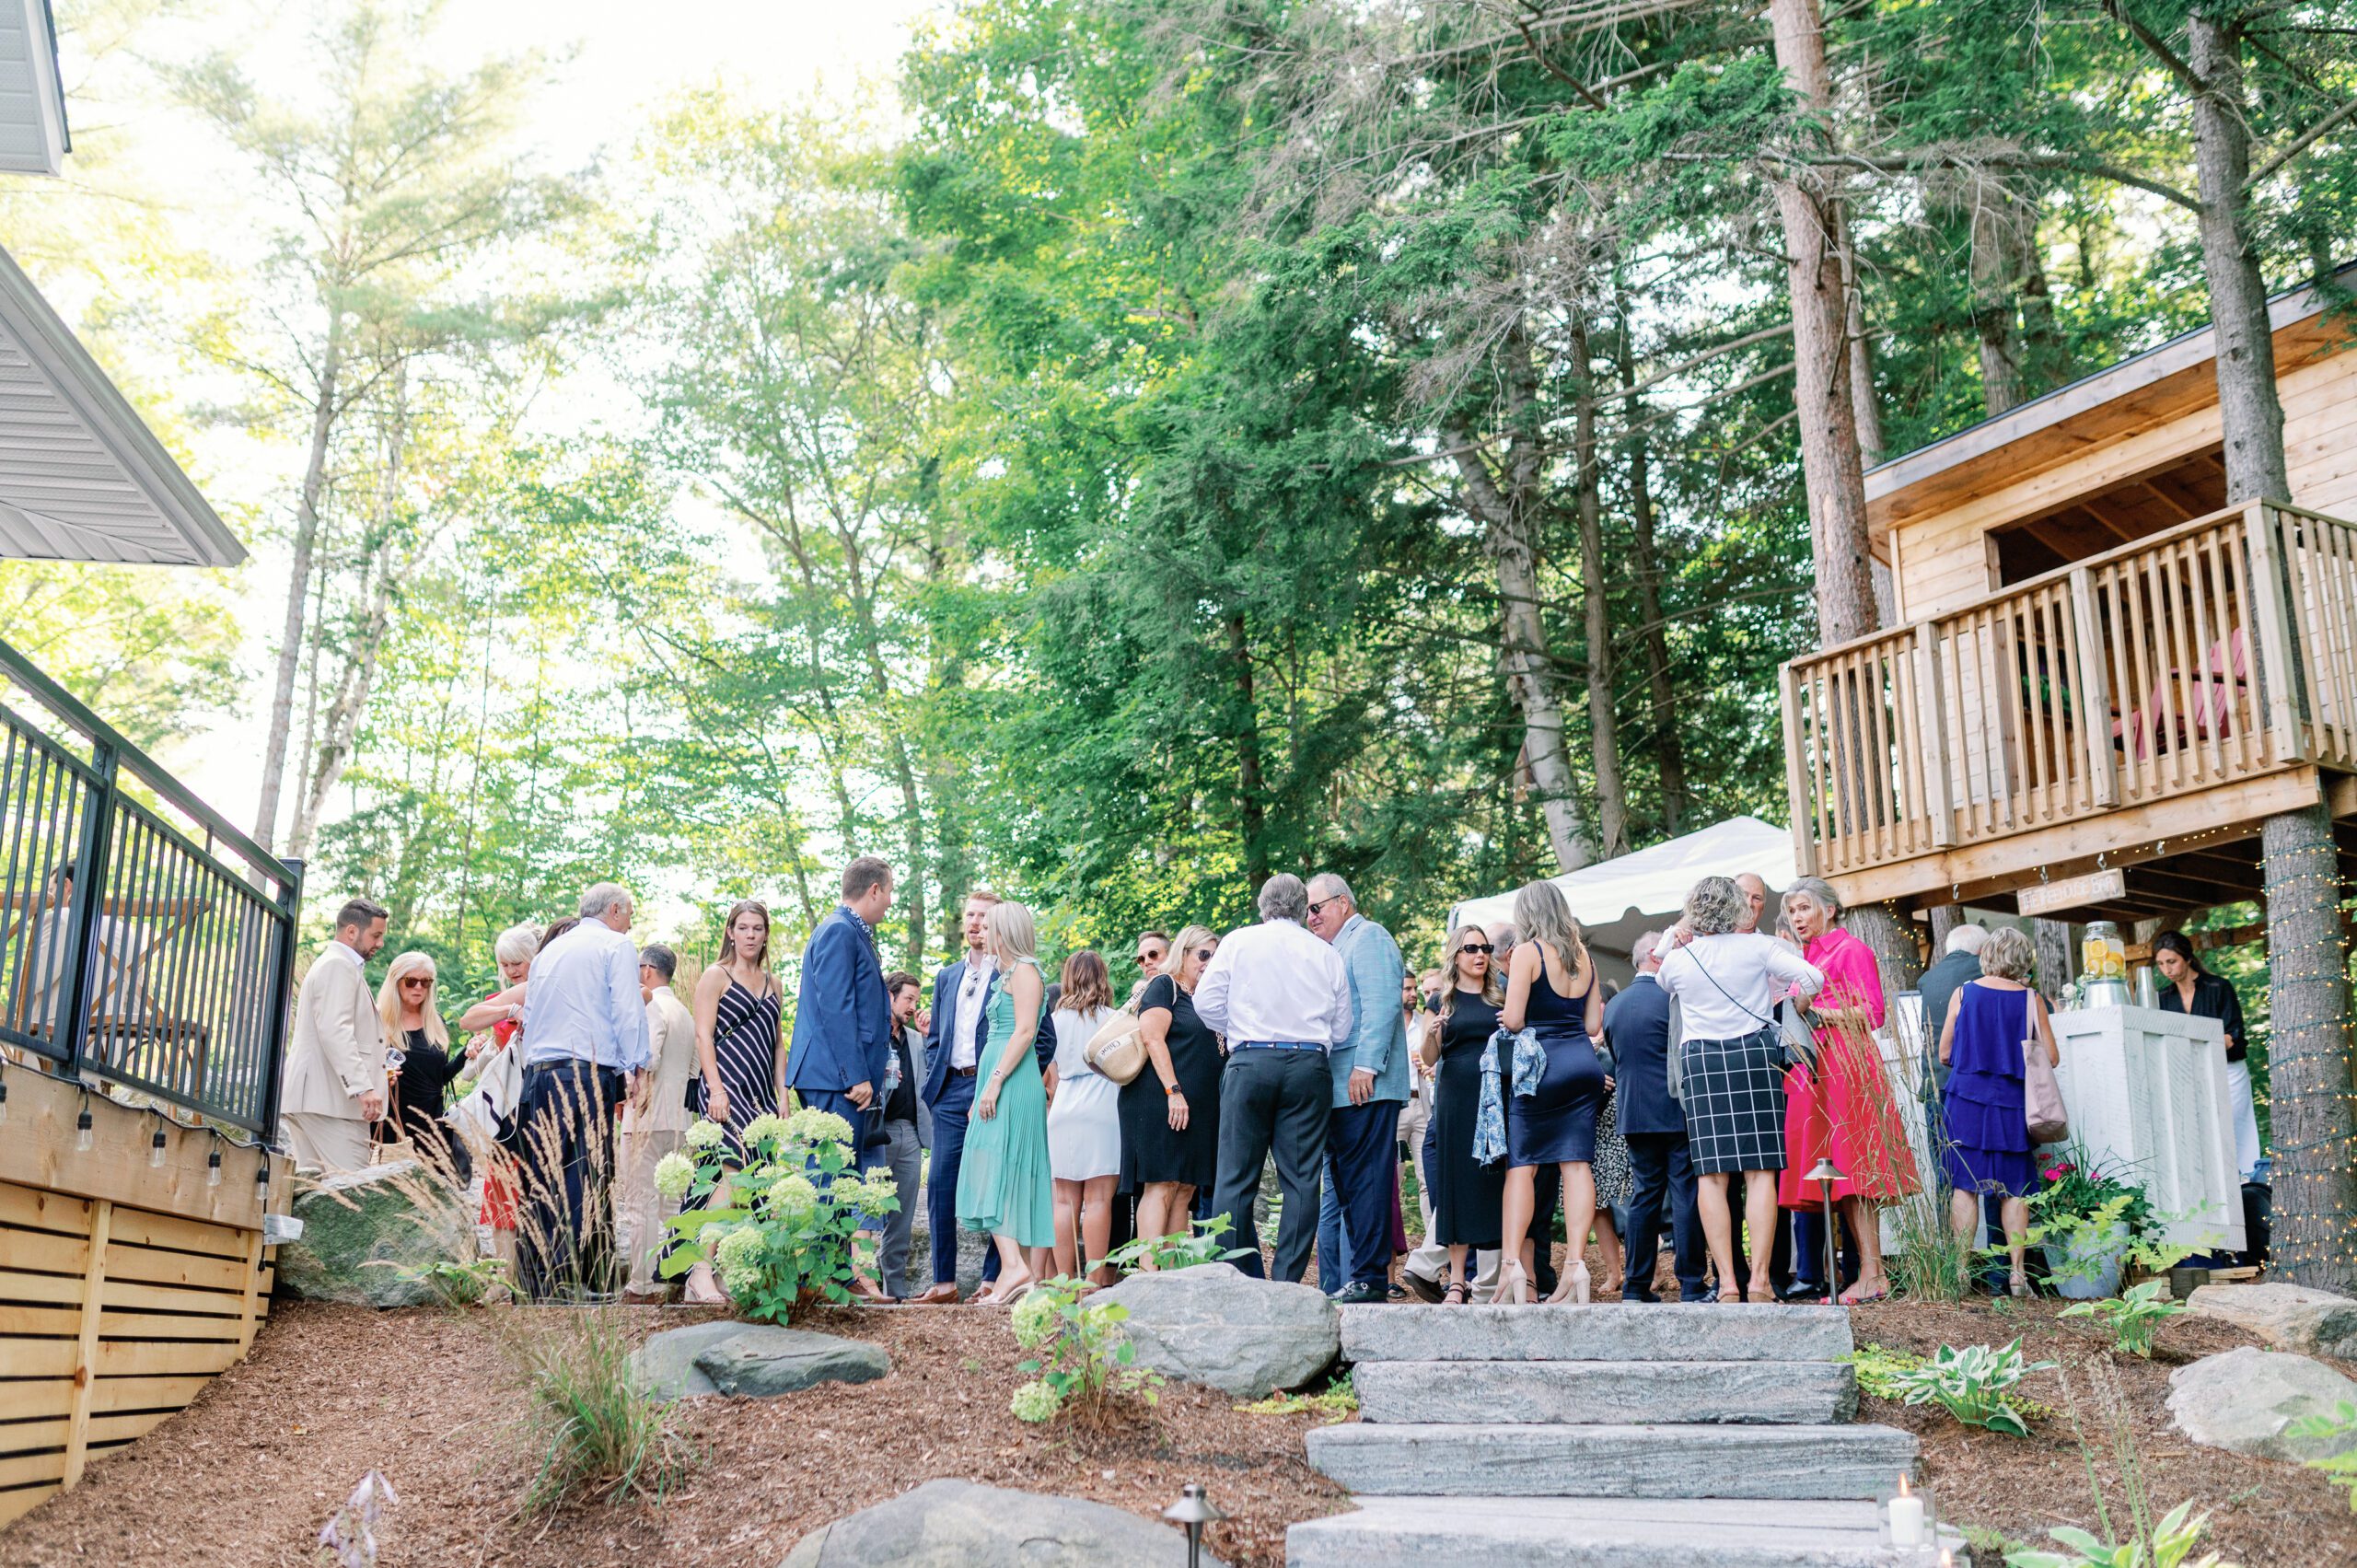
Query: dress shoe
point(943, 1295)
point(1419, 1287)
point(1363, 1293)
point(868, 1290)
point(1802, 1290)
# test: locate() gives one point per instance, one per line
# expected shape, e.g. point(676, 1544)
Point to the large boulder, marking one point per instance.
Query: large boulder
point(955, 1524)
point(369, 1235)
point(1214, 1324)
point(2289, 1317)
point(758, 1360)
point(2243, 1399)
point(765, 1361)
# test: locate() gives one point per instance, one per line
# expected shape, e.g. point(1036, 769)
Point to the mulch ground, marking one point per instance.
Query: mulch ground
point(248, 1473)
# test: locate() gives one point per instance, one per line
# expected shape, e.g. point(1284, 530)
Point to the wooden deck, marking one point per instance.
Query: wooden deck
point(125, 1286)
point(2178, 689)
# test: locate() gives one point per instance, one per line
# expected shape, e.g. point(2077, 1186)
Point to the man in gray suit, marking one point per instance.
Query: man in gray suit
point(907, 1129)
point(335, 1061)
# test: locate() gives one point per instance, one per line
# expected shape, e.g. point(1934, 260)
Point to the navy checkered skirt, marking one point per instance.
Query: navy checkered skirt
point(1733, 1091)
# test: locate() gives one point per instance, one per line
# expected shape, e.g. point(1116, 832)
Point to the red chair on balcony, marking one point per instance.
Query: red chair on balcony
point(2204, 703)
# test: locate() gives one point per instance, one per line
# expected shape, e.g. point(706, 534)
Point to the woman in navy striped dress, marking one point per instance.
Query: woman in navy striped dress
point(742, 1070)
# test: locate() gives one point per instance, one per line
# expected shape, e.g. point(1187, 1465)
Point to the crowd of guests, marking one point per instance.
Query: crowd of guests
point(1726, 1098)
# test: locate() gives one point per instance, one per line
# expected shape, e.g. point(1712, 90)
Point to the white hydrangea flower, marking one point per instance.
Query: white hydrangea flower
point(740, 1248)
point(793, 1196)
point(1035, 1401)
point(768, 1124)
point(1034, 1318)
point(674, 1174)
point(814, 1126)
point(707, 1135)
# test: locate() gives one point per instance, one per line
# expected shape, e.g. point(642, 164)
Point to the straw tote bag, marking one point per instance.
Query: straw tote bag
point(2049, 1122)
point(1117, 1050)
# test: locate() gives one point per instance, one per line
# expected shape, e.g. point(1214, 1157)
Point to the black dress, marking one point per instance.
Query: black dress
point(427, 1072)
point(1150, 1150)
point(1557, 1123)
point(1468, 1198)
point(744, 1046)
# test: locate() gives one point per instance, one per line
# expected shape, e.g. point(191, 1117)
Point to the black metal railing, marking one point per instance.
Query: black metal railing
point(128, 904)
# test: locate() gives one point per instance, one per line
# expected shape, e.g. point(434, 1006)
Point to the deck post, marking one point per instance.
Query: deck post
point(2095, 690)
point(1932, 734)
point(1796, 796)
point(2278, 676)
point(85, 1355)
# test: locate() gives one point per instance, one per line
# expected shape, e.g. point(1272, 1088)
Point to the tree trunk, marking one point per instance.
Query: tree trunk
point(2052, 939)
point(2311, 1065)
point(1509, 514)
point(298, 581)
point(1993, 254)
point(1252, 787)
point(1611, 801)
point(1945, 918)
point(1669, 752)
point(1831, 462)
point(1864, 404)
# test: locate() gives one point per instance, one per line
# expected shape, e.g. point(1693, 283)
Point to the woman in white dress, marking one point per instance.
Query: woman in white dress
point(1084, 1121)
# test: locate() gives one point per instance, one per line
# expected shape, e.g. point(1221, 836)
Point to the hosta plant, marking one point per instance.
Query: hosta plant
point(1972, 1384)
point(1202, 1245)
point(778, 1230)
point(2171, 1546)
point(2133, 1315)
point(1081, 1354)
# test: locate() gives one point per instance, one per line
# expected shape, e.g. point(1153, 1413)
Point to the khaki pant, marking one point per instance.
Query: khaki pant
point(328, 1144)
point(640, 1211)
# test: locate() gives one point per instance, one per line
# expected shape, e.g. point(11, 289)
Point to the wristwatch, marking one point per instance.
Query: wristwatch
point(1168, 1089)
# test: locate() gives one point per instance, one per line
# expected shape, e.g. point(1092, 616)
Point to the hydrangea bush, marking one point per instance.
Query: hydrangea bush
point(1081, 1352)
point(781, 1231)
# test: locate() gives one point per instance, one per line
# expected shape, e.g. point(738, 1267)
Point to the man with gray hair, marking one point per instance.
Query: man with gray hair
point(1283, 999)
point(1661, 1170)
point(585, 1039)
point(1370, 1073)
point(1958, 965)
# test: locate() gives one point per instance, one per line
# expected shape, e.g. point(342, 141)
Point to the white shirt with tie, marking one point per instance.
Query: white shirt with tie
point(1276, 982)
point(966, 1006)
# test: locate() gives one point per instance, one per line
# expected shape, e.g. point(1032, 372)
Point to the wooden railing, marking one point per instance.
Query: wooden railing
point(2222, 648)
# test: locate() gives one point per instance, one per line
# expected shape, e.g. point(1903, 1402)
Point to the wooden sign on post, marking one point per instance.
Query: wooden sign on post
point(2073, 892)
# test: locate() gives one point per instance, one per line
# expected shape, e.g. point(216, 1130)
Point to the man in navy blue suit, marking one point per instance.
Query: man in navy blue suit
point(953, 1051)
point(842, 1024)
point(1636, 1026)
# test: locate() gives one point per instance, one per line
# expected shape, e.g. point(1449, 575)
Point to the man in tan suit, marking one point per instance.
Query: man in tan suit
point(335, 1064)
point(656, 1121)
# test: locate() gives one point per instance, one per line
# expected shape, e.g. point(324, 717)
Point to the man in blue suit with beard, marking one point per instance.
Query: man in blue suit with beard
point(953, 1049)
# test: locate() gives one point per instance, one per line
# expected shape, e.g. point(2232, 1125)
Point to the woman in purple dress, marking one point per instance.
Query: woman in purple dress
point(1986, 1146)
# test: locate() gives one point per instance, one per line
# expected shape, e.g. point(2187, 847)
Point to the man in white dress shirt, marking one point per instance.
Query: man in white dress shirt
point(1282, 997)
point(585, 1039)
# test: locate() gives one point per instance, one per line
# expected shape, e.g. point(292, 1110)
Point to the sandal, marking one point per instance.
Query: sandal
point(1734, 1295)
point(1458, 1294)
point(1851, 1297)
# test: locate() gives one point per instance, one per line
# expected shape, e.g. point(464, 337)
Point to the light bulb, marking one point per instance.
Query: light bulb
point(84, 1139)
point(156, 1149)
point(4, 1102)
point(213, 1168)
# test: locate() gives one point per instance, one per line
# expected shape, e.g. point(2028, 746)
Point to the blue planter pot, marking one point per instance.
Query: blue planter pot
point(2087, 1266)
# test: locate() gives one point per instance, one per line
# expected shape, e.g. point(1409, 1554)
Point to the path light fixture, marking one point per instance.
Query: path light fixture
point(1191, 1513)
point(1825, 1175)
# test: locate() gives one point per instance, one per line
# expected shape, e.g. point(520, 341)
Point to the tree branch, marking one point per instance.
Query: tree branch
point(2300, 143)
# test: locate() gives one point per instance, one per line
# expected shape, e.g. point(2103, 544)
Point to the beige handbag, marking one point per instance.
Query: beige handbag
point(1117, 1051)
point(2042, 1107)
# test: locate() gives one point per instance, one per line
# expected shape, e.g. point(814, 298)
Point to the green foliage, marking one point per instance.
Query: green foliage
point(1201, 1244)
point(2172, 1545)
point(2340, 1423)
point(1972, 1385)
point(1082, 1355)
point(2132, 1316)
point(784, 1229)
point(596, 1430)
point(1337, 1401)
point(1880, 1370)
point(473, 1283)
point(1934, 1262)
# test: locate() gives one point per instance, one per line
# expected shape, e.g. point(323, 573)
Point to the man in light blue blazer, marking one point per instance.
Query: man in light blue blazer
point(1370, 1088)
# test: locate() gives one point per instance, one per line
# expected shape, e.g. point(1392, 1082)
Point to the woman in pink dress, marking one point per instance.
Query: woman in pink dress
point(1844, 1110)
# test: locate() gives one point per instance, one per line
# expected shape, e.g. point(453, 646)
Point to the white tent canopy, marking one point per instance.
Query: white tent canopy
point(1614, 900)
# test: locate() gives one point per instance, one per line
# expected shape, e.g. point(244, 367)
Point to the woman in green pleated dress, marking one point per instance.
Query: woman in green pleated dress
point(1005, 1186)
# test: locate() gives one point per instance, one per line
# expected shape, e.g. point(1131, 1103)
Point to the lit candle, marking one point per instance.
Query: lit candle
point(1905, 1517)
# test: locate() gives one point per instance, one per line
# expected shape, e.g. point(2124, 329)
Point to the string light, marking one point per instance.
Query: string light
point(156, 1144)
point(85, 1135)
point(213, 1167)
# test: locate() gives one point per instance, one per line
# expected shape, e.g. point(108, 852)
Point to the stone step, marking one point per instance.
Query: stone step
point(1604, 1332)
point(1601, 1532)
point(1601, 1392)
point(1468, 1460)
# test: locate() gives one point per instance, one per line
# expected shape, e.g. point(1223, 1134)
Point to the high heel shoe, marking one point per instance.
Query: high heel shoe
point(1514, 1286)
point(1574, 1285)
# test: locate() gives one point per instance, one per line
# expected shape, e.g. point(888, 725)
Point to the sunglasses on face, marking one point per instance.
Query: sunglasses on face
point(1478, 948)
point(1149, 956)
point(418, 981)
point(1205, 953)
point(1323, 902)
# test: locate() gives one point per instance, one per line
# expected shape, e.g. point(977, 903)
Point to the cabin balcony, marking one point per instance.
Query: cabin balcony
point(2139, 712)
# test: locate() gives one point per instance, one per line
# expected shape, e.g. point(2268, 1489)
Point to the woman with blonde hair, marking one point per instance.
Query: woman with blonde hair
point(426, 1066)
point(1170, 1111)
point(1467, 1197)
point(1005, 1184)
point(1551, 991)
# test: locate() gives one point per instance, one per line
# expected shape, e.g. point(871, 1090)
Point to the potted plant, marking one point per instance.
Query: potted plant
point(2087, 1219)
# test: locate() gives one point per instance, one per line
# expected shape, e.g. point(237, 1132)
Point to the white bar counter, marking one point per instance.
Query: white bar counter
point(2147, 1095)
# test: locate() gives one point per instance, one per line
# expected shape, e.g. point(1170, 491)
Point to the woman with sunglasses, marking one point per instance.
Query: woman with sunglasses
point(1467, 1197)
point(413, 1026)
point(1170, 1111)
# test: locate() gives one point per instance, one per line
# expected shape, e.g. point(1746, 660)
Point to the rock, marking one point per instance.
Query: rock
point(665, 1363)
point(368, 1233)
point(2291, 1317)
point(2243, 1399)
point(973, 1249)
point(763, 1361)
point(1213, 1324)
point(955, 1524)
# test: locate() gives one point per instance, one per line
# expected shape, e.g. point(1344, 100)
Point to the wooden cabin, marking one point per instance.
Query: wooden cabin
point(2101, 679)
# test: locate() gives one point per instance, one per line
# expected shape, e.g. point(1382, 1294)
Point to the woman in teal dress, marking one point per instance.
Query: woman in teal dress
point(1006, 1188)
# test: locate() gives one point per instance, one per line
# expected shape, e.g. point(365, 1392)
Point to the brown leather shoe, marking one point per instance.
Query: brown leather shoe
point(943, 1295)
point(865, 1289)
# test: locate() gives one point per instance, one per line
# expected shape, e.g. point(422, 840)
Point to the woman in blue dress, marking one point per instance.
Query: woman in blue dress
point(1007, 1185)
point(1550, 990)
point(1986, 1146)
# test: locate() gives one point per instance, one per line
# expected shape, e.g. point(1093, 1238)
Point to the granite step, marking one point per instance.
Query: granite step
point(1445, 1459)
point(1601, 1532)
point(1604, 1331)
point(1607, 1392)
